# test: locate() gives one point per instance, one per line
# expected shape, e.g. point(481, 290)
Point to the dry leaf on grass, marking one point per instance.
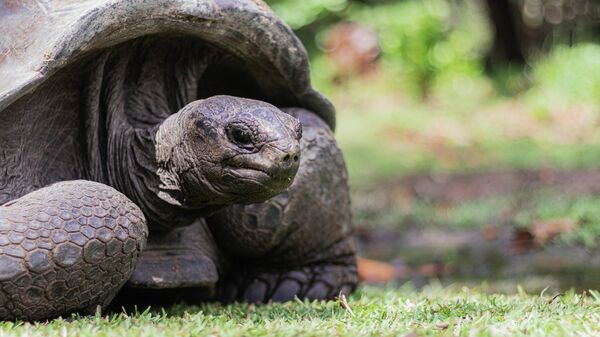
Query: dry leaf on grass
point(371, 271)
point(543, 231)
point(539, 233)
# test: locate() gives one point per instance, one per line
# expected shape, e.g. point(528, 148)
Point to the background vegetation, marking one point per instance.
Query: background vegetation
point(443, 95)
point(436, 85)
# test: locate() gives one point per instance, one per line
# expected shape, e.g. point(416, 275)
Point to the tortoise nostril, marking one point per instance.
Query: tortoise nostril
point(290, 159)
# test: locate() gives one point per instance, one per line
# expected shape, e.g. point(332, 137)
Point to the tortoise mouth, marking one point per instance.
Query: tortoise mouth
point(251, 174)
point(249, 185)
point(256, 184)
point(268, 170)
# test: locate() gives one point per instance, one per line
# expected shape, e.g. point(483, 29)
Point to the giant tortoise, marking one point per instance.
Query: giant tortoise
point(163, 146)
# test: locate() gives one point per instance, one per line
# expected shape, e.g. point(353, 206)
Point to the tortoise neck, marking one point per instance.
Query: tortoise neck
point(133, 171)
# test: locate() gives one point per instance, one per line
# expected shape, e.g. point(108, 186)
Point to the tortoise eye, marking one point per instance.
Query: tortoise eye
point(241, 135)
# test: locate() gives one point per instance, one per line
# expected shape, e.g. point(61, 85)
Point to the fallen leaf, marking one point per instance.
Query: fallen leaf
point(521, 241)
point(372, 271)
point(539, 233)
point(432, 269)
point(543, 231)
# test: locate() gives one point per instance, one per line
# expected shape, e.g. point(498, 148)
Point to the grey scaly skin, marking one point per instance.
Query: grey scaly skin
point(59, 243)
point(116, 168)
point(229, 151)
point(296, 244)
point(215, 152)
point(67, 247)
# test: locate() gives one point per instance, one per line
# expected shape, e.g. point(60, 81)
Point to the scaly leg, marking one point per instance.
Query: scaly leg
point(66, 247)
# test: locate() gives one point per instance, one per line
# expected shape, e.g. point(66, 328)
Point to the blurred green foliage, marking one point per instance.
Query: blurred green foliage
point(385, 134)
point(425, 43)
point(300, 13)
point(429, 41)
point(439, 47)
point(566, 77)
point(437, 103)
point(433, 104)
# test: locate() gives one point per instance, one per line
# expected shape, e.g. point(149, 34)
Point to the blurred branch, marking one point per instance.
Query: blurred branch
point(506, 45)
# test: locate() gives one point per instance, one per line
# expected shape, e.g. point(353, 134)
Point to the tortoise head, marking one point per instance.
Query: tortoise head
point(224, 150)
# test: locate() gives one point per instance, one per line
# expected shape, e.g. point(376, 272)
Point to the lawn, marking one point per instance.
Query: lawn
point(432, 311)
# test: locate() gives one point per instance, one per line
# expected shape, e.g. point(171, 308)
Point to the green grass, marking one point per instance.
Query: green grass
point(433, 311)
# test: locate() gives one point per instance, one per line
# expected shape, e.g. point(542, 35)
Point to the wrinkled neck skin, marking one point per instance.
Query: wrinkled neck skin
point(134, 170)
point(127, 97)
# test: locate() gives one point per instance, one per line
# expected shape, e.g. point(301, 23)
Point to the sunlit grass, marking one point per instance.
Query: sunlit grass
point(433, 311)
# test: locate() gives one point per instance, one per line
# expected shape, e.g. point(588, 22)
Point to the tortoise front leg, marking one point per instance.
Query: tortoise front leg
point(181, 258)
point(66, 247)
point(299, 242)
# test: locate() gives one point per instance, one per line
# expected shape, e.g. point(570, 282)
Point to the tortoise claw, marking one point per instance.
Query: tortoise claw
point(319, 282)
